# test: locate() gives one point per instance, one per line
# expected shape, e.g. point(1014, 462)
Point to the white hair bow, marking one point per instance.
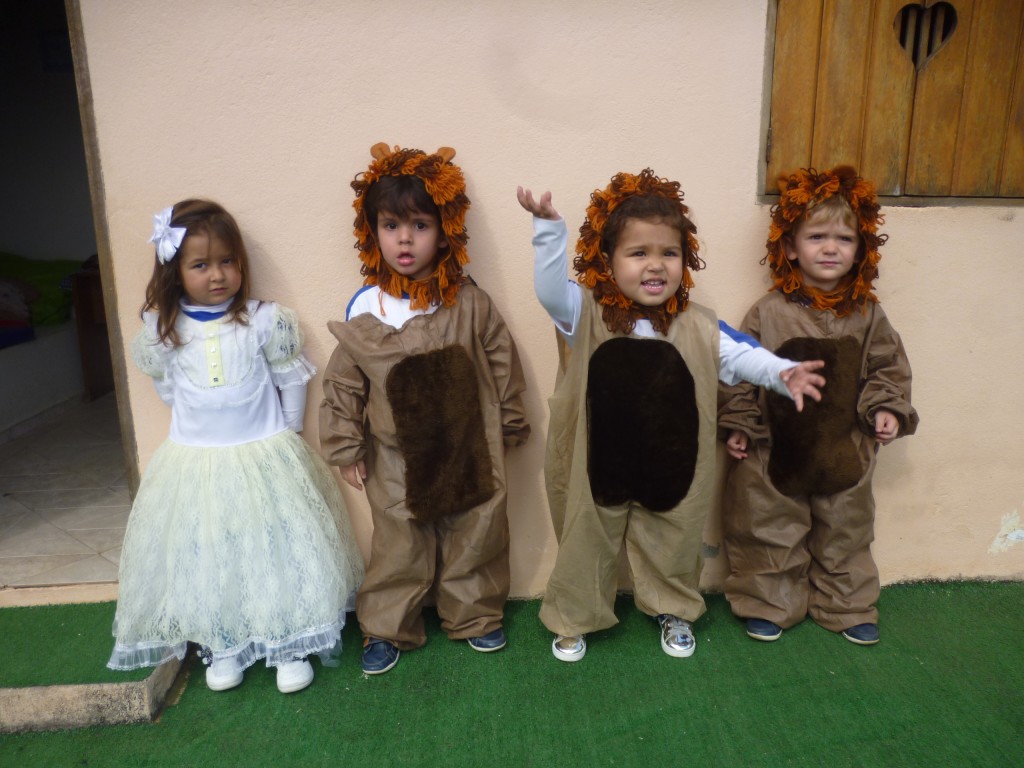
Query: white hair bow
point(167, 238)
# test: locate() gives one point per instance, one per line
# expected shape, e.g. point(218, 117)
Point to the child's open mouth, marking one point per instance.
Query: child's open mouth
point(653, 286)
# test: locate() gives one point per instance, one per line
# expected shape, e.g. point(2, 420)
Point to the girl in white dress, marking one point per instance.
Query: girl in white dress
point(238, 539)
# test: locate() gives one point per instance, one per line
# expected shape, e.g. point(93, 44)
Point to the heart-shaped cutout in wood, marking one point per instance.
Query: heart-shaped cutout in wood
point(922, 30)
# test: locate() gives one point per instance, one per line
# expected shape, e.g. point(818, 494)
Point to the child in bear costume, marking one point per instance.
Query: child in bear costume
point(631, 444)
point(798, 513)
point(421, 397)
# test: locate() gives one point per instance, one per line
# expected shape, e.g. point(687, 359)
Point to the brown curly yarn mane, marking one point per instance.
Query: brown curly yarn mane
point(446, 186)
point(801, 192)
point(619, 312)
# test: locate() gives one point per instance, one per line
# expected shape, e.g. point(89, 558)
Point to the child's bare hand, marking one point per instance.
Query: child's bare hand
point(801, 380)
point(542, 209)
point(353, 473)
point(887, 426)
point(736, 445)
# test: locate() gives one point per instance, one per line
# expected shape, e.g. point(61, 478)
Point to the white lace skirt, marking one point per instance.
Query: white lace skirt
point(245, 550)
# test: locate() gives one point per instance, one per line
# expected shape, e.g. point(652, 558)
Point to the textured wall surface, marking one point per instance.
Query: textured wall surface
point(271, 107)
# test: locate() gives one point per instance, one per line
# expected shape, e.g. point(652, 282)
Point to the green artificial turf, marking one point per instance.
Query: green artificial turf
point(943, 688)
point(59, 645)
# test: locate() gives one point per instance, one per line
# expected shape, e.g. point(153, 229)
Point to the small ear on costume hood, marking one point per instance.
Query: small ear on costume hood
point(446, 153)
point(380, 150)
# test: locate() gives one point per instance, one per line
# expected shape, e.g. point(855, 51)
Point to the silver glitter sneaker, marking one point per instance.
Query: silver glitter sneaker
point(676, 636)
point(569, 648)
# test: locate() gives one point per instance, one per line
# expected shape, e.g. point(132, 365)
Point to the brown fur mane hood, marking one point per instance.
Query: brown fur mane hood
point(800, 192)
point(446, 186)
point(594, 271)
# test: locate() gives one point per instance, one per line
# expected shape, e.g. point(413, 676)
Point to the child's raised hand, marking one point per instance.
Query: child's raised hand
point(353, 473)
point(801, 380)
point(542, 209)
point(736, 445)
point(887, 426)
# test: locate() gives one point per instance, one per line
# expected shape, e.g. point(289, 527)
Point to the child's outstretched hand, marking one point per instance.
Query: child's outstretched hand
point(736, 445)
point(542, 209)
point(802, 380)
point(887, 426)
point(353, 473)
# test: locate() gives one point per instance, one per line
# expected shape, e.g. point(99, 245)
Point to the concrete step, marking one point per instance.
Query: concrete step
point(57, 707)
point(54, 707)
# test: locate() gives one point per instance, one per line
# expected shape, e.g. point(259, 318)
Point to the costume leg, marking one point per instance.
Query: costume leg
point(764, 535)
point(664, 551)
point(473, 578)
point(843, 575)
point(580, 596)
point(403, 556)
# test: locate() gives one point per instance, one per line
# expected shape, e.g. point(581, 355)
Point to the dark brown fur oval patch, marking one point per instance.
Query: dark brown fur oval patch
point(435, 401)
point(643, 424)
point(812, 451)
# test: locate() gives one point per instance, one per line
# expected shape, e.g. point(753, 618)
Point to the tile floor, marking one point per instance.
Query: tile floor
point(64, 500)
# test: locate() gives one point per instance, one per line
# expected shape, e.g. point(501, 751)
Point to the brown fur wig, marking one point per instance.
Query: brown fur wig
point(655, 465)
point(799, 193)
point(435, 400)
point(812, 451)
point(446, 186)
point(618, 312)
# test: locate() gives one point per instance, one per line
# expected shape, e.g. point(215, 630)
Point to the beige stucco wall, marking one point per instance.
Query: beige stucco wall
point(270, 107)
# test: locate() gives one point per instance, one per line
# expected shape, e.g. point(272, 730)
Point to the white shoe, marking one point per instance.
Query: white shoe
point(294, 676)
point(223, 674)
point(569, 648)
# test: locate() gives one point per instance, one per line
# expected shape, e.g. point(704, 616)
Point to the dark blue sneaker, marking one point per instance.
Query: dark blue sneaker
point(862, 634)
point(762, 629)
point(378, 656)
point(492, 641)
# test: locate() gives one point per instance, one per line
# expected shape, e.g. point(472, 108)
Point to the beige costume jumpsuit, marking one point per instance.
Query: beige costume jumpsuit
point(800, 552)
point(430, 408)
point(663, 548)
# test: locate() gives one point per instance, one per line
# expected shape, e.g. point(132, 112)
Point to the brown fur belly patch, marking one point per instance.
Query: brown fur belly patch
point(642, 422)
point(812, 451)
point(435, 401)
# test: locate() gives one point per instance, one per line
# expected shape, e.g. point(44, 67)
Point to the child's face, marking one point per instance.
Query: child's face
point(825, 248)
point(647, 262)
point(209, 271)
point(410, 244)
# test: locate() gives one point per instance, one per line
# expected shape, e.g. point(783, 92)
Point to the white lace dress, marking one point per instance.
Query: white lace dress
point(238, 539)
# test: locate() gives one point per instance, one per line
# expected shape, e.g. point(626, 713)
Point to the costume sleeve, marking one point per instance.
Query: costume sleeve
point(346, 390)
point(281, 340)
point(507, 370)
point(153, 357)
point(738, 402)
point(559, 295)
point(887, 377)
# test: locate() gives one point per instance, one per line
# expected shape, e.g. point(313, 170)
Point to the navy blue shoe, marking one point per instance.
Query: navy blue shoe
point(492, 641)
point(378, 656)
point(862, 634)
point(762, 629)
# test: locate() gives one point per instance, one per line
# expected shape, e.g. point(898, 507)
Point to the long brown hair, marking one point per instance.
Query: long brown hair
point(165, 289)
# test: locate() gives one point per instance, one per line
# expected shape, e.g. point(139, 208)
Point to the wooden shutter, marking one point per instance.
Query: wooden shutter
point(844, 90)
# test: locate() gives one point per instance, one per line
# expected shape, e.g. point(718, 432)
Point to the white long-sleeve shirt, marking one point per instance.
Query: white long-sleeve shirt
point(740, 357)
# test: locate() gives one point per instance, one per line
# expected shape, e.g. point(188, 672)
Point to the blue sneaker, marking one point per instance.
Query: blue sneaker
point(862, 634)
point(378, 656)
point(762, 629)
point(492, 641)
